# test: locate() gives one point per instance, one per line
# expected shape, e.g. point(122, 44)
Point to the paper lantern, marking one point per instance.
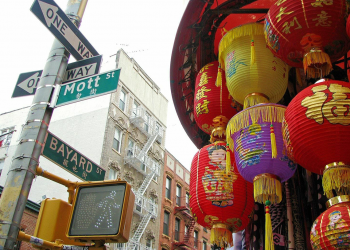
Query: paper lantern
point(212, 104)
point(331, 230)
point(308, 33)
point(219, 200)
point(317, 132)
point(255, 136)
point(253, 73)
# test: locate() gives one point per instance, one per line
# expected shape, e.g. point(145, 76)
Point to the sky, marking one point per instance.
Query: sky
point(144, 29)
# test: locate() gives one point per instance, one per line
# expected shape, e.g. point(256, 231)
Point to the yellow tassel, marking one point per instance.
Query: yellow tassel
point(269, 244)
point(252, 52)
point(228, 160)
point(317, 64)
point(273, 142)
point(337, 179)
point(267, 187)
point(222, 237)
point(218, 82)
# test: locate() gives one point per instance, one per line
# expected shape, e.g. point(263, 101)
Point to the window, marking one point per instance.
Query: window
point(112, 174)
point(178, 195)
point(122, 100)
point(204, 245)
point(168, 188)
point(153, 204)
point(117, 141)
point(166, 223)
point(143, 163)
point(187, 199)
point(135, 111)
point(177, 229)
point(205, 229)
point(159, 131)
point(5, 140)
point(155, 178)
point(131, 147)
point(139, 204)
point(147, 122)
point(149, 243)
point(196, 239)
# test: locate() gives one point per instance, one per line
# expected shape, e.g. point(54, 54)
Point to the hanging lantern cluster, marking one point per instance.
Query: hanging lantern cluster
point(253, 74)
point(213, 104)
point(317, 128)
point(309, 34)
point(331, 230)
point(220, 199)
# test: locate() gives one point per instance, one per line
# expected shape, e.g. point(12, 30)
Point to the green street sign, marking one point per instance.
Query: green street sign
point(89, 87)
point(71, 160)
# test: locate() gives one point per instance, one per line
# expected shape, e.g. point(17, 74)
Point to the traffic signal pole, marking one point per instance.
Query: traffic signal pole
point(26, 158)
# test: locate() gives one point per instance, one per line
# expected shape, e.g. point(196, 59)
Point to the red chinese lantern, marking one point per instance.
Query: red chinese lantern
point(220, 199)
point(308, 33)
point(212, 104)
point(316, 132)
point(331, 230)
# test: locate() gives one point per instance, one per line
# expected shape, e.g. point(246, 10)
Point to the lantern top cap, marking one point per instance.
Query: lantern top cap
point(337, 200)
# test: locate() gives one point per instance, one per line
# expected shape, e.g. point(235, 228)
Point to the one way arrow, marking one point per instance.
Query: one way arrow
point(64, 30)
point(30, 83)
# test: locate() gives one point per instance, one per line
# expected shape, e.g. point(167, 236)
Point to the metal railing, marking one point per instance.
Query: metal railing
point(144, 165)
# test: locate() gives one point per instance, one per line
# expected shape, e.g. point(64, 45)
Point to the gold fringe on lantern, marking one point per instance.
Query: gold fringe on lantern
point(266, 113)
point(221, 236)
point(267, 187)
point(218, 82)
point(244, 30)
point(254, 99)
point(336, 177)
point(269, 244)
point(317, 64)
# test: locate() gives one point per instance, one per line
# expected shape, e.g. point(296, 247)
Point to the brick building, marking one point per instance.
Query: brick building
point(178, 229)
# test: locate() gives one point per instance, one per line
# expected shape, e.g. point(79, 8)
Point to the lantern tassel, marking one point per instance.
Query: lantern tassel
point(218, 82)
point(338, 179)
point(221, 237)
point(252, 52)
point(317, 64)
point(228, 159)
point(273, 142)
point(269, 244)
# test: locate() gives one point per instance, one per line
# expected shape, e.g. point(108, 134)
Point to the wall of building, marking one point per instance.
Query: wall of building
point(179, 176)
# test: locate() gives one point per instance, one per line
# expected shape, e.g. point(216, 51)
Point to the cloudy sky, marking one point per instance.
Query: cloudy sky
point(144, 29)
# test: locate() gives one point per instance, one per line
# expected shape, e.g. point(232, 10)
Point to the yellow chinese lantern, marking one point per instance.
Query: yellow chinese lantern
point(253, 74)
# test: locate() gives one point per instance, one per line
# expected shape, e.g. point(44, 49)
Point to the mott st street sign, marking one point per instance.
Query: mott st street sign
point(88, 88)
point(27, 82)
point(71, 160)
point(63, 29)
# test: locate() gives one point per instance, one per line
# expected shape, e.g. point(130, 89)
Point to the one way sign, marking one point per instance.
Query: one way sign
point(63, 29)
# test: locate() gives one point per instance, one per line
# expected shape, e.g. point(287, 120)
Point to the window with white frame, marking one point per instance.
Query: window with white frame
point(6, 136)
point(112, 174)
point(135, 107)
point(131, 145)
point(117, 141)
point(147, 122)
point(122, 100)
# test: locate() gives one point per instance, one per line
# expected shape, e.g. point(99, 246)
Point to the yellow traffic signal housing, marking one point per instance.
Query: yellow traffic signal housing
point(102, 210)
point(53, 220)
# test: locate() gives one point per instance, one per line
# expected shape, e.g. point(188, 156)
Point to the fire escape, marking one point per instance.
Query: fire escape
point(187, 241)
point(149, 168)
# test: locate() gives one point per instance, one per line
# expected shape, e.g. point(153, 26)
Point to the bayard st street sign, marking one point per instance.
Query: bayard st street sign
point(88, 88)
point(27, 82)
point(71, 160)
point(51, 15)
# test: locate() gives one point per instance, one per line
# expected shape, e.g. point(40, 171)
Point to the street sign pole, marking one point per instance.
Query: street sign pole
point(26, 159)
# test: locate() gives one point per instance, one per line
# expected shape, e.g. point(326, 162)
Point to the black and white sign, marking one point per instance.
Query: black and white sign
point(51, 15)
point(27, 82)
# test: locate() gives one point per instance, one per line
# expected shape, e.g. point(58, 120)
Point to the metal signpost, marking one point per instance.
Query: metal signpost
point(71, 160)
point(51, 15)
point(88, 88)
point(27, 82)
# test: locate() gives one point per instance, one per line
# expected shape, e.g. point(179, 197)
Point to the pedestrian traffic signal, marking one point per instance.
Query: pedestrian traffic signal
point(102, 210)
